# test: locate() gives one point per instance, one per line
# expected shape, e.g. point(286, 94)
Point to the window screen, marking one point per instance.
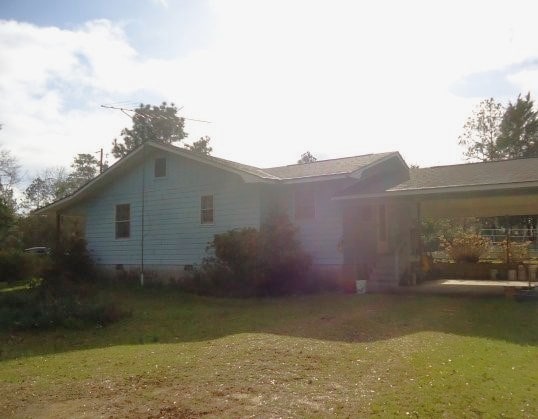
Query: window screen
point(207, 211)
point(123, 221)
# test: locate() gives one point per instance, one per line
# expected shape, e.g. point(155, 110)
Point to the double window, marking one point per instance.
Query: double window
point(207, 211)
point(123, 221)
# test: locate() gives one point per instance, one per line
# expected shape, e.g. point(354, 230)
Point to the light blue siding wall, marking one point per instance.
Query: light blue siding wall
point(173, 234)
point(320, 235)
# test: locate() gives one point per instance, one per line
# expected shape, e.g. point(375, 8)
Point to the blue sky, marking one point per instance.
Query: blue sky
point(157, 29)
point(274, 77)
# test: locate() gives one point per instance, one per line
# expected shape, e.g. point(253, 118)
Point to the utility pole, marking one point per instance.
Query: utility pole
point(100, 160)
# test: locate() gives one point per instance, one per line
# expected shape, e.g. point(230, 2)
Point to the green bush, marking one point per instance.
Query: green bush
point(16, 265)
point(39, 309)
point(251, 262)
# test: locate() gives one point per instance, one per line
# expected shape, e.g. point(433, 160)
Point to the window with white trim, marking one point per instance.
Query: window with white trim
point(207, 211)
point(123, 221)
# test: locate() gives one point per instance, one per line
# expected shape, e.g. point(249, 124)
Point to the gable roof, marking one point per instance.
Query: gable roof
point(467, 177)
point(340, 166)
point(303, 172)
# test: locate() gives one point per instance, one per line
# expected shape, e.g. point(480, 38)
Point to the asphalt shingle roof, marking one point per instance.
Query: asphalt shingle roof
point(470, 174)
point(343, 165)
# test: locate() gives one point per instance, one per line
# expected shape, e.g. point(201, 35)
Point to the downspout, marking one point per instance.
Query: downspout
point(142, 216)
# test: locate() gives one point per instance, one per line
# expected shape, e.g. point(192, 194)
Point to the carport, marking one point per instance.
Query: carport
point(486, 189)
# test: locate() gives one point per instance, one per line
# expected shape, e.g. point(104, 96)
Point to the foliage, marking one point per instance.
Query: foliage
point(7, 218)
point(51, 184)
point(481, 130)
point(39, 309)
point(16, 265)
point(9, 177)
point(37, 230)
point(515, 252)
point(201, 146)
point(71, 262)
point(151, 123)
point(307, 158)
point(518, 136)
point(465, 247)
point(56, 183)
point(84, 168)
point(493, 132)
point(251, 262)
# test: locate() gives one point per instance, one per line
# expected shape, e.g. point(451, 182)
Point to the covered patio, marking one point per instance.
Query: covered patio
point(482, 190)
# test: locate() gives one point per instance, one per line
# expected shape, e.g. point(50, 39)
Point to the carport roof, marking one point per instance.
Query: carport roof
point(505, 174)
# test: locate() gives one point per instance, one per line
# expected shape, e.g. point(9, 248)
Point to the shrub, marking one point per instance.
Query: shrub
point(465, 247)
point(70, 263)
point(515, 252)
point(36, 309)
point(16, 265)
point(251, 262)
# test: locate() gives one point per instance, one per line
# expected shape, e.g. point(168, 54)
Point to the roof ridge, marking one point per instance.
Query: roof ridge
point(333, 159)
point(474, 162)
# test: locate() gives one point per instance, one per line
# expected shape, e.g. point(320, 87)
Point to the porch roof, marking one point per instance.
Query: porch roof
point(468, 177)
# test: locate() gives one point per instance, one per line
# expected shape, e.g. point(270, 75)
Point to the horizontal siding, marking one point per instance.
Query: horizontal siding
point(173, 234)
point(320, 235)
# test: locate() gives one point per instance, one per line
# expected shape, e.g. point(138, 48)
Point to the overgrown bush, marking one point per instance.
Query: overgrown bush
point(39, 309)
point(15, 265)
point(465, 247)
point(70, 263)
point(251, 262)
point(515, 252)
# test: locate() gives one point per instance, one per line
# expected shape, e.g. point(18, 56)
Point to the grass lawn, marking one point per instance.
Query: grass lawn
point(370, 355)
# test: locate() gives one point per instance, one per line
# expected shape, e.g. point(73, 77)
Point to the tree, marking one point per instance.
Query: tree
point(201, 146)
point(151, 123)
point(9, 177)
point(518, 136)
point(306, 158)
point(481, 130)
point(85, 168)
point(48, 186)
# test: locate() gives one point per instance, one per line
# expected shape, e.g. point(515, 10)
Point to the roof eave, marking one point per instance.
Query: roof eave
point(441, 190)
point(247, 177)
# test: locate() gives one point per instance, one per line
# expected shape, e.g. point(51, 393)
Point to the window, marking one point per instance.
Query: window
point(206, 210)
point(123, 221)
point(160, 167)
point(304, 204)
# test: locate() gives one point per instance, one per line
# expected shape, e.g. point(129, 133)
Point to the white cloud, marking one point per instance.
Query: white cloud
point(336, 78)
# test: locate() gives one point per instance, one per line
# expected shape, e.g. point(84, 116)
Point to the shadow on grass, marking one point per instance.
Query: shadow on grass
point(168, 316)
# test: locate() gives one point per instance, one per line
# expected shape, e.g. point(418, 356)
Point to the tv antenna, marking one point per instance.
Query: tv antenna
point(130, 113)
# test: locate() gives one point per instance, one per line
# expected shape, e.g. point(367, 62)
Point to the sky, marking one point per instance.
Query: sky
point(274, 78)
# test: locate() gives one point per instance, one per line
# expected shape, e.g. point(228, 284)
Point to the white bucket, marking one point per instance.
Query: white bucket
point(360, 286)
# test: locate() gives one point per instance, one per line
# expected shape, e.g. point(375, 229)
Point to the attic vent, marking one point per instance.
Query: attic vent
point(160, 167)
